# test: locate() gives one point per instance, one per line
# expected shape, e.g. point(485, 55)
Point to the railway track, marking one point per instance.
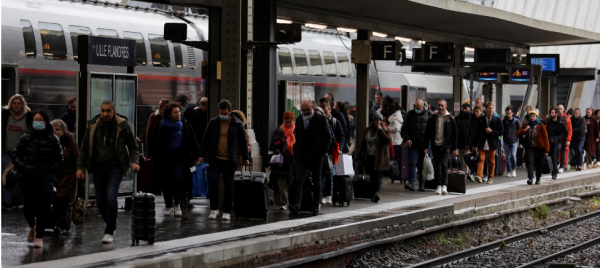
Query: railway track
point(513, 245)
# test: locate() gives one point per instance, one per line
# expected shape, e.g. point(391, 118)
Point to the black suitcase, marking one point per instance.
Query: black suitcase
point(306, 204)
point(143, 218)
point(457, 178)
point(342, 190)
point(500, 159)
point(250, 194)
point(519, 157)
point(362, 185)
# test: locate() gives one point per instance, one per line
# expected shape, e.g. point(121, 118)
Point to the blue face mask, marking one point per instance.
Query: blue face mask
point(223, 117)
point(418, 111)
point(39, 125)
point(183, 109)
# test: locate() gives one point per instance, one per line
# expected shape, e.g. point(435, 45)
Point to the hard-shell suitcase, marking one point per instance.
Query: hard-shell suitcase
point(362, 185)
point(144, 175)
point(143, 218)
point(250, 194)
point(306, 204)
point(457, 178)
point(342, 190)
point(401, 153)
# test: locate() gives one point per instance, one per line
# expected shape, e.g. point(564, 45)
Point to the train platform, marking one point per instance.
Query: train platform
point(193, 240)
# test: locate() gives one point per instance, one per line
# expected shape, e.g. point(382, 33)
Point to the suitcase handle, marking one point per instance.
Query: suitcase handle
point(242, 171)
point(452, 166)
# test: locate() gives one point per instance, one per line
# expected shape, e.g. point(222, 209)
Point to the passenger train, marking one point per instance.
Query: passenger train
point(39, 57)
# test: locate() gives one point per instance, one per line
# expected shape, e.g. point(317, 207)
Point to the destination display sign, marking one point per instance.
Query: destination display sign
point(521, 74)
point(550, 62)
point(385, 50)
point(488, 76)
point(438, 52)
point(106, 51)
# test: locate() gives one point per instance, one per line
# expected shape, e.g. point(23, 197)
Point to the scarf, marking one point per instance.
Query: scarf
point(177, 135)
point(289, 137)
point(533, 124)
point(109, 130)
point(371, 139)
point(307, 119)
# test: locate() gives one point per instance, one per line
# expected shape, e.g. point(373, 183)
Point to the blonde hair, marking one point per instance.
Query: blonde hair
point(22, 99)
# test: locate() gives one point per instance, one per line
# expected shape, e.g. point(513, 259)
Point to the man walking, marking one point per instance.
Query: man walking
point(566, 140)
point(487, 142)
point(337, 137)
point(413, 133)
point(340, 118)
point(107, 152)
point(442, 134)
point(313, 138)
point(511, 125)
point(556, 129)
point(70, 117)
point(463, 124)
point(223, 143)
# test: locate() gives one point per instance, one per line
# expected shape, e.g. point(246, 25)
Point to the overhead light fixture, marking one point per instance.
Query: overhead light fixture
point(316, 26)
point(469, 49)
point(403, 39)
point(284, 21)
point(382, 35)
point(348, 30)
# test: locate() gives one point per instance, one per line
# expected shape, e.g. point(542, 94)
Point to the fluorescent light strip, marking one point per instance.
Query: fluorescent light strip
point(284, 21)
point(383, 35)
point(403, 39)
point(469, 49)
point(315, 26)
point(348, 30)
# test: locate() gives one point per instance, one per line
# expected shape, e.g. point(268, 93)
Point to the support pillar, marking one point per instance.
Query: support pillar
point(457, 80)
point(214, 56)
point(498, 106)
point(231, 53)
point(264, 101)
point(362, 95)
point(544, 97)
point(553, 96)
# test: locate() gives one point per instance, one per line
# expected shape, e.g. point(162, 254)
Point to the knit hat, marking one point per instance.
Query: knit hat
point(288, 116)
point(377, 115)
point(534, 112)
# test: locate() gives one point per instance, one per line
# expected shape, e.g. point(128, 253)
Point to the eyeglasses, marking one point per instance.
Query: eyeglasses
point(305, 110)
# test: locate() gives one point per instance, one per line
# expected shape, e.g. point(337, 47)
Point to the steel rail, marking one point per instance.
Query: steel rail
point(582, 246)
point(474, 251)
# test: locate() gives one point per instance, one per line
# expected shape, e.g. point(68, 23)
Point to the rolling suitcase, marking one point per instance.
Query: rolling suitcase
point(144, 175)
point(342, 190)
point(500, 164)
point(457, 178)
point(250, 194)
point(143, 218)
point(361, 183)
point(306, 204)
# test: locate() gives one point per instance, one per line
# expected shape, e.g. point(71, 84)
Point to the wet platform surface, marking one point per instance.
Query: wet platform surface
point(86, 239)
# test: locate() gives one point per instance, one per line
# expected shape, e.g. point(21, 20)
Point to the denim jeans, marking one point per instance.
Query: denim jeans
point(511, 156)
point(173, 184)
point(298, 184)
point(107, 181)
point(416, 155)
point(440, 164)
point(215, 168)
point(327, 182)
point(577, 147)
point(6, 194)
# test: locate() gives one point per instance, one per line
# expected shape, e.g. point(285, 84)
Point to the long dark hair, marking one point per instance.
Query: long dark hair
point(46, 118)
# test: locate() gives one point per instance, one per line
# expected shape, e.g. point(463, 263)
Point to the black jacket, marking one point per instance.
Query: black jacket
point(237, 142)
point(340, 136)
point(579, 125)
point(5, 114)
point(195, 120)
point(70, 120)
point(510, 130)
point(471, 137)
point(463, 123)
point(492, 138)
point(340, 118)
point(556, 130)
point(312, 143)
point(38, 153)
point(161, 152)
point(450, 132)
point(414, 127)
point(203, 122)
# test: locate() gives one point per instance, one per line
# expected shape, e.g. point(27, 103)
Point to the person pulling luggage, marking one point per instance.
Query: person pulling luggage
point(313, 138)
point(375, 151)
point(442, 134)
point(536, 145)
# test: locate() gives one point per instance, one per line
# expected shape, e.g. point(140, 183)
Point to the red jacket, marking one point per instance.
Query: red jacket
point(542, 136)
point(569, 127)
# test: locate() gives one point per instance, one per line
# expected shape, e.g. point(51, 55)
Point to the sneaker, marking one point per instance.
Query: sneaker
point(438, 190)
point(478, 179)
point(329, 200)
point(594, 163)
point(514, 173)
point(177, 211)
point(409, 187)
point(324, 200)
point(470, 177)
point(490, 181)
point(485, 179)
point(213, 215)
point(226, 217)
point(584, 166)
point(444, 190)
point(509, 174)
point(554, 177)
point(537, 181)
point(39, 243)
point(107, 239)
point(376, 198)
point(530, 181)
point(284, 208)
point(168, 211)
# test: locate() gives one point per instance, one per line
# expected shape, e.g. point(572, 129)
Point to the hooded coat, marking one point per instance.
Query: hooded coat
point(38, 154)
point(395, 125)
point(542, 136)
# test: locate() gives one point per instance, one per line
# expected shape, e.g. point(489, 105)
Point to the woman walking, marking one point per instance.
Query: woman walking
point(67, 181)
point(578, 138)
point(175, 149)
point(375, 147)
point(282, 142)
point(537, 145)
point(38, 155)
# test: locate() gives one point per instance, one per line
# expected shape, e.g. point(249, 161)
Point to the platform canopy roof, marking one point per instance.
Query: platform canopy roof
point(459, 22)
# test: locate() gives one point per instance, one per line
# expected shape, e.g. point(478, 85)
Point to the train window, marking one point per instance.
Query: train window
point(29, 39)
point(330, 67)
point(315, 62)
point(344, 64)
point(160, 51)
point(53, 38)
point(178, 55)
point(140, 47)
point(107, 33)
point(285, 60)
point(301, 64)
point(74, 32)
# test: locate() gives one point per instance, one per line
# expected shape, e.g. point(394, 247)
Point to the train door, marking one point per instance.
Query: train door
point(292, 94)
point(9, 82)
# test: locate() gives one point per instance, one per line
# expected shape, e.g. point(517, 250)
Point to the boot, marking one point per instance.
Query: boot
point(530, 181)
point(537, 180)
point(376, 198)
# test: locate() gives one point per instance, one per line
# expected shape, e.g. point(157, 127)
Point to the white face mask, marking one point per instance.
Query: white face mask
point(183, 109)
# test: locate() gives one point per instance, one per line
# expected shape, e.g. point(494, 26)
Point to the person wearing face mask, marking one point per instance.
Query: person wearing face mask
point(375, 152)
point(71, 115)
point(67, 181)
point(38, 155)
point(223, 143)
point(174, 151)
point(413, 134)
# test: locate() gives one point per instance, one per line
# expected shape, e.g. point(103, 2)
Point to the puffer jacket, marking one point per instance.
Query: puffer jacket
point(395, 125)
point(38, 154)
point(414, 126)
point(236, 136)
point(463, 124)
point(510, 130)
point(578, 125)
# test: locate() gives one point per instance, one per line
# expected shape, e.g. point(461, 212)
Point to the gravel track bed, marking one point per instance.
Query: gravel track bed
point(586, 258)
point(434, 245)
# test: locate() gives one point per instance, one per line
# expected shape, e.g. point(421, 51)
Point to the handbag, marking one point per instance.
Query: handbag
point(394, 167)
point(547, 165)
point(327, 164)
point(277, 158)
point(11, 176)
point(78, 215)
